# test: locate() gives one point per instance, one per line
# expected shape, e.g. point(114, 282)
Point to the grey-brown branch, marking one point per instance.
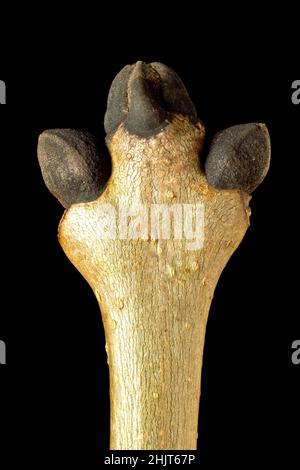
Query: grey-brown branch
point(154, 291)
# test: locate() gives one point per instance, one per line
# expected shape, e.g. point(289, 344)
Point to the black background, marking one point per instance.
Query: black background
point(54, 392)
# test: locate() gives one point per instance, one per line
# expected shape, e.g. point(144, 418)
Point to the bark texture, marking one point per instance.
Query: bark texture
point(155, 294)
